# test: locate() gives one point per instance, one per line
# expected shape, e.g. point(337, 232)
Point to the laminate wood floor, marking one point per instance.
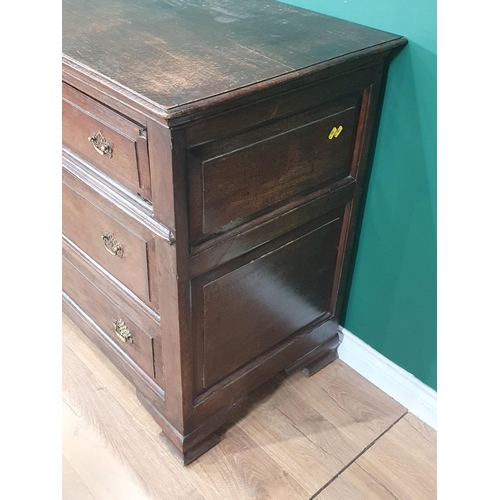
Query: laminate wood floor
point(330, 436)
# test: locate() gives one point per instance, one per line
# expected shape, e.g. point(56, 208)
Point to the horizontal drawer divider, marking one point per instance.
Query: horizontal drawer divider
point(97, 273)
point(131, 364)
point(140, 210)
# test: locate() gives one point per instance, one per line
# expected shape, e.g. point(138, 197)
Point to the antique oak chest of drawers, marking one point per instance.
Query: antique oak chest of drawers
point(214, 153)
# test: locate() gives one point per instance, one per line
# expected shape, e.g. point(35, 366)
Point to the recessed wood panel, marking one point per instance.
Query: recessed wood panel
point(254, 307)
point(238, 178)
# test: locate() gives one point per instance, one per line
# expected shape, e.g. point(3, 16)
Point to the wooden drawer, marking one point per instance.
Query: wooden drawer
point(125, 158)
point(112, 319)
point(127, 256)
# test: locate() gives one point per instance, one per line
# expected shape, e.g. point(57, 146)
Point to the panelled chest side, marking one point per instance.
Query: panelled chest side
point(212, 171)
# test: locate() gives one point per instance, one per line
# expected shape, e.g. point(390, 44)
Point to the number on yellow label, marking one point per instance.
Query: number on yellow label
point(335, 132)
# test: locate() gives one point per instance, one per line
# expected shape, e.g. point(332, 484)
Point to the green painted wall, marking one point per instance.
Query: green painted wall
point(392, 302)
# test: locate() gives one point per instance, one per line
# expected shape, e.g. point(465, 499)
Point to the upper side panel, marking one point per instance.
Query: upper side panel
point(253, 161)
point(238, 177)
point(174, 52)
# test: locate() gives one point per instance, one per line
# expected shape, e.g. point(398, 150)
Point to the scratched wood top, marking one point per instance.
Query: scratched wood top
point(179, 51)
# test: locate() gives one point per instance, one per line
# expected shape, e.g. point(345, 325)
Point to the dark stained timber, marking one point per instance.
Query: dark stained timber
point(214, 153)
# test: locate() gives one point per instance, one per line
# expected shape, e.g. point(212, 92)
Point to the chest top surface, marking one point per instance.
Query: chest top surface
point(174, 52)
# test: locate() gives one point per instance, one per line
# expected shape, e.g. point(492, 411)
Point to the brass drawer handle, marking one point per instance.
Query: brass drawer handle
point(111, 244)
point(122, 331)
point(101, 145)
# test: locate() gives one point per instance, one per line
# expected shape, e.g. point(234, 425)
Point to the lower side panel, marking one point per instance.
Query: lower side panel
point(250, 305)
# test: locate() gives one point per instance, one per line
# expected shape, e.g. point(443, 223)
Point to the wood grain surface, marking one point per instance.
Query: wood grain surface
point(400, 465)
point(161, 50)
point(293, 437)
point(355, 484)
point(220, 119)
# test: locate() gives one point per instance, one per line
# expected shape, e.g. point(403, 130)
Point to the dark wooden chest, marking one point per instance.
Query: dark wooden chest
point(214, 154)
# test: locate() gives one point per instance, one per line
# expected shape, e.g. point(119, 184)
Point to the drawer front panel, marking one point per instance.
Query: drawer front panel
point(122, 253)
point(238, 178)
point(112, 320)
point(123, 144)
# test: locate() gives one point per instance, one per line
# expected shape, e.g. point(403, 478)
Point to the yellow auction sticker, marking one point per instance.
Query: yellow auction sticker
point(335, 132)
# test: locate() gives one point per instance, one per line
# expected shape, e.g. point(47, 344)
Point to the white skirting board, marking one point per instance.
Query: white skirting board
point(406, 389)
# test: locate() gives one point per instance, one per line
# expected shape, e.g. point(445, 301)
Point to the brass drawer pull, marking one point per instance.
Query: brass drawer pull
point(122, 331)
point(101, 145)
point(111, 244)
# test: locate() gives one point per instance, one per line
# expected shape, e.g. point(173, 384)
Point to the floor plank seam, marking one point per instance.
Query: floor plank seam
point(306, 443)
point(378, 482)
point(69, 406)
point(300, 432)
point(425, 436)
point(358, 455)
